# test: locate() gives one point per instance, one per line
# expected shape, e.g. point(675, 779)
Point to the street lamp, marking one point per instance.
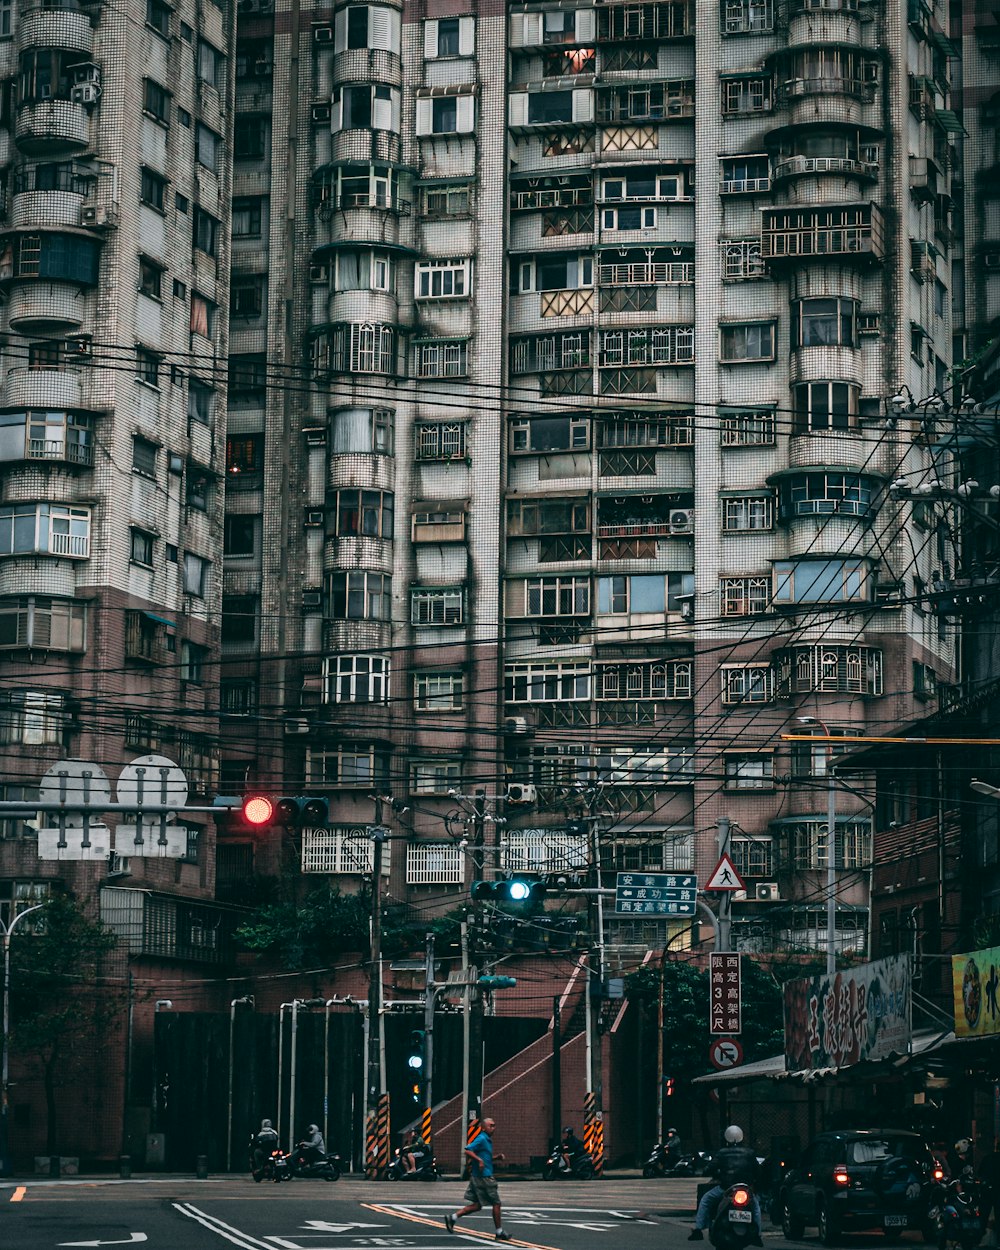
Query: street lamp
point(984, 787)
point(831, 847)
point(6, 931)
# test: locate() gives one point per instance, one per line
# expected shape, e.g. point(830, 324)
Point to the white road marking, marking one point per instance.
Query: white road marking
point(133, 1240)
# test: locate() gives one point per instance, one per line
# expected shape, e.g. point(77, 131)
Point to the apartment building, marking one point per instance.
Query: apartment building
point(114, 267)
point(559, 440)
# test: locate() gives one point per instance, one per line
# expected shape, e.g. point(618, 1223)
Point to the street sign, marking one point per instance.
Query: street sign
point(725, 1013)
point(725, 1052)
point(725, 877)
point(656, 894)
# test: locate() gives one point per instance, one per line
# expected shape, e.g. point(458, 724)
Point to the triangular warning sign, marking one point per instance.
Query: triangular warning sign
point(725, 877)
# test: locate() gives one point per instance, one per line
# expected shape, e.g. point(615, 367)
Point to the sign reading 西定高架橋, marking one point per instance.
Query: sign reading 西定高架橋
point(975, 981)
point(845, 1017)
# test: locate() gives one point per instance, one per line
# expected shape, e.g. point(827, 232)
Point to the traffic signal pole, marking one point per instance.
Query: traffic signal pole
point(376, 1098)
point(430, 1000)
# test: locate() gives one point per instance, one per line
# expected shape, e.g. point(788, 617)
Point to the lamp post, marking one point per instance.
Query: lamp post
point(6, 932)
point(831, 848)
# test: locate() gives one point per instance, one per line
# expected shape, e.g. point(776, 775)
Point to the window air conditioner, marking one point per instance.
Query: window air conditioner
point(767, 892)
point(296, 726)
point(85, 93)
point(682, 520)
point(516, 725)
point(319, 273)
point(323, 34)
point(321, 112)
point(315, 516)
point(521, 793)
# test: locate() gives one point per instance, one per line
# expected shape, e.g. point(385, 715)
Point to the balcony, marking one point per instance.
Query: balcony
point(646, 273)
point(165, 926)
point(620, 20)
point(52, 128)
point(806, 166)
point(566, 303)
point(789, 235)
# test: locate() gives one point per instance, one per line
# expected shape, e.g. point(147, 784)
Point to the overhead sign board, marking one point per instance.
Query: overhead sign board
point(975, 981)
point(656, 894)
point(725, 1013)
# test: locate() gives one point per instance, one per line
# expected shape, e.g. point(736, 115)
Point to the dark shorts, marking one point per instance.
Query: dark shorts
point(482, 1189)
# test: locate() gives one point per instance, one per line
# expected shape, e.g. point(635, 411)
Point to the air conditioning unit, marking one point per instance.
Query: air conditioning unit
point(319, 273)
point(296, 727)
point(85, 93)
point(682, 520)
point(82, 349)
point(98, 215)
point(86, 73)
point(521, 793)
point(321, 112)
point(312, 598)
point(323, 34)
point(991, 261)
point(767, 892)
point(315, 516)
point(516, 725)
point(739, 896)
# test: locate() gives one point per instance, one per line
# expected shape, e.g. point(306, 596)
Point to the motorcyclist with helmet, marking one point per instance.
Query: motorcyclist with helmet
point(672, 1147)
point(732, 1164)
point(262, 1144)
point(571, 1147)
point(313, 1146)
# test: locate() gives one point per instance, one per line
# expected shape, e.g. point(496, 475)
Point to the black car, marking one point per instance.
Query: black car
point(858, 1178)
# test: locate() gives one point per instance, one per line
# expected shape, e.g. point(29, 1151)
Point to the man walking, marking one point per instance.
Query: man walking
point(482, 1190)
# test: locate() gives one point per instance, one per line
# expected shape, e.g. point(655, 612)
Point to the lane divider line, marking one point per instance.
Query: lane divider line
point(466, 1232)
point(246, 1241)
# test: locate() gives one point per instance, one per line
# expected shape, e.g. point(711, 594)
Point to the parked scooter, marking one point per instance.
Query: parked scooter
point(426, 1168)
point(961, 1220)
point(579, 1168)
point(665, 1162)
point(732, 1226)
point(321, 1167)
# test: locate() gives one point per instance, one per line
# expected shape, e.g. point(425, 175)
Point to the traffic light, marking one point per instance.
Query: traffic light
point(261, 811)
point(496, 983)
point(415, 1063)
point(669, 1086)
point(510, 890)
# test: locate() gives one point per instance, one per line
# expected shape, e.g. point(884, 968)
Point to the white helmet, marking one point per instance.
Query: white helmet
point(733, 1135)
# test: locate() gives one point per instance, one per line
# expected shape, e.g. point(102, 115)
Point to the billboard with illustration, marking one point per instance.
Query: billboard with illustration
point(975, 979)
point(856, 1014)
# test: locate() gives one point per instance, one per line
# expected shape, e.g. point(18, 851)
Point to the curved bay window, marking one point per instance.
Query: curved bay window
point(53, 256)
point(364, 512)
point(49, 73)
point(53, 176)
point(358, 596)
point(37, 434)
point(825, 492)
point(355, 186)
point(824, 68)
point(825, 321)
point(826, 405)
point(829, 669)
point(354, 347)
point(808, 842)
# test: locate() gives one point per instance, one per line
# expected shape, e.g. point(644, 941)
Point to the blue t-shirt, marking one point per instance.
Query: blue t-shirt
point(482, 1145)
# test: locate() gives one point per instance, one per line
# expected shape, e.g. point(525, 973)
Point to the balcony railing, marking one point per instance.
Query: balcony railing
point(69, 545)
point(567, 303)
point(860, 88)
point(666, 273)
point(791, 166)
point(744, 186)
point(55, 449)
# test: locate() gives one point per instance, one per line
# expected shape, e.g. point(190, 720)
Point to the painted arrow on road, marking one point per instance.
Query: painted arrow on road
point(324, 1226)
point(133, 1240)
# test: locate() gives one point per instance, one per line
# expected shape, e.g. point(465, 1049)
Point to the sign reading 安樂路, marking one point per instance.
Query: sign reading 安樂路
point(656, 894)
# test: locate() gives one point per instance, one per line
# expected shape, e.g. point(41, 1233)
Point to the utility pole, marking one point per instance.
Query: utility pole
point(593, 1129)
point(427, 1084)
point(6, 932)
point(376, 1100)
point(724, 931)
point(474, 1069)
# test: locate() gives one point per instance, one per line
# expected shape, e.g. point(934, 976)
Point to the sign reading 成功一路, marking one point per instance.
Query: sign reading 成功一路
point(836, 1019)
point(975, 981)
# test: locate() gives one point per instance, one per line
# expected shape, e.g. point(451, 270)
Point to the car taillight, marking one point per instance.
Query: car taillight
point(840, 1177)
point(938, 1174)
point(741, 1197)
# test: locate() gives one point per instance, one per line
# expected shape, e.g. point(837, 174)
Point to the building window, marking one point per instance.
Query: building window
point(248, 217)
point(32, 718)
point(537, 682)
point(352, 766)
point(747, 427)
point(449, 36)
point(208, 146)
point(44, 528)
point(749, 772)
point(366, 107)
point(203, 312)
point(356, 679)
point(645, 766)
point(639, 218)
point(744, 596)
point(144, 454)
point(748, 512)
point(239, 618)
point(38, 622)
point(816, 493)
point(809, 842)
point(363, 429)
point(240, 535)
point(158, 16)
point(365, 271)
point(238, 697)
point(825, 322)
point(141, 548)
point(193, 660)
point(446, 115)
point(744, 175)
point(201, 402)
point(435, 776)
point(447, 200)
point(747, 17)
point(150, 277)
point(925, 681)
point(198, 485)
point(205, 231)
point(825, 406)
point(156, 101)
point(549, 596)
point(834, 669)
point(254, 58)
point(666, 345)
point(337, 851)
point(251, 138)
point(437, 606)
point(753, 341)
point(542, 435)
point(440, 440)
point(750, 683)
point(153, 189)
point(246, 297)
point(53, 256)
point(442, 359)
point(822, 581)
point(211, 65)
point(811, 759)
point(368, 512)
point(742, 260)
point(746, 95)
point(640, 593)
point(195, 575)
point(147, 365)
point(438, 692)
point(442, 279)
point(439, 526)
point(354, 347)
point(670, 679)
point(752, 857)
point(359, 596)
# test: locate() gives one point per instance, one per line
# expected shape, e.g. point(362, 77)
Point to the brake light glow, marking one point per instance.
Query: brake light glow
point(938, 1174)
point(741, 1197)
point(840, 1176)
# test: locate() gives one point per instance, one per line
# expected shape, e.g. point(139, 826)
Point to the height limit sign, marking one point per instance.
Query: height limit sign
point(725, 1015)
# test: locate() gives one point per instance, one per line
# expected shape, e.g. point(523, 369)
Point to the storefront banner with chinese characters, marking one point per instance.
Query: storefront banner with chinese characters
point(833, 1020)
point(975, 981)
point(725, 1014)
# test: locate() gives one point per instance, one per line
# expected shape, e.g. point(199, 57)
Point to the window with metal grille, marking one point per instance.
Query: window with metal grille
point(748, 512)
point(744, 596)
point(440, 440)
point(438, 692)
point(747, 427)
point(751, 683)
point(437, 606)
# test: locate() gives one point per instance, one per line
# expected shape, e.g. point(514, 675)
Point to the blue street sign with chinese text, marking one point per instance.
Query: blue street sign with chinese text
point(656, 894)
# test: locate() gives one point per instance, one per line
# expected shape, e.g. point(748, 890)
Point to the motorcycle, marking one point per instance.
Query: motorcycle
point(732, 1225)
point(961, 1220)
point(324, 1167)
point(579, 1168)
point(274, 1168)
point(426, 1168)
point(665, 1162)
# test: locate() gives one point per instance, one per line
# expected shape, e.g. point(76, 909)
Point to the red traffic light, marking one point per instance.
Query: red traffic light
point(258, 810)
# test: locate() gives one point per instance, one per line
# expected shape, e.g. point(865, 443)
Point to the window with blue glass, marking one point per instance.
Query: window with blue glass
point(821, 581)
point(823, 493)
point(63, 257)
point(640, 593)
